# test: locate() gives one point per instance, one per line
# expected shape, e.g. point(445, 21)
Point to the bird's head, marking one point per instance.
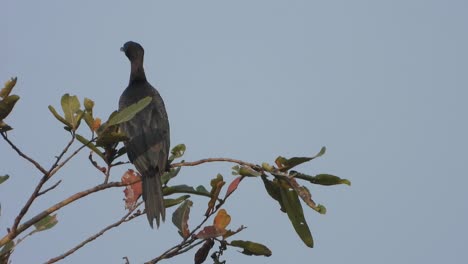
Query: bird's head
point(133, 50)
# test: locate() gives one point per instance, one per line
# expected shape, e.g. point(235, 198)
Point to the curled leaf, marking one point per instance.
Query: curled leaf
point(251, 248)
point(285, 164)
point(305, 195)
point(6, 90)
point(133, 191)
point(180, 218)
point(216, 186)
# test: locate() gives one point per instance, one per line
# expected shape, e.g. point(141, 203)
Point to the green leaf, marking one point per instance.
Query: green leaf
point(45, 223)
point(120, 152)
point(273, 190)
point(322, 179)
point(172, 202)
point(7, 104)
point(89, 120)
point(110, 138)
point(88, 104)
point(200, 190)
point(128, 113)
point(248, 171)
point(293, 208)
point(90, 145)
point(6, 90)
point(285, 164)
point(168, 175)
point(251, 248)
point(235, 170)
point(180, 218)
point(4, 178)
point(58, 117)
point(267, 167)
point(70, 107)
point(177, 152)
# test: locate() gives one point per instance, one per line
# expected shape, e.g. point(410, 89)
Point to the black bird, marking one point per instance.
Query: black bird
point(148, 133)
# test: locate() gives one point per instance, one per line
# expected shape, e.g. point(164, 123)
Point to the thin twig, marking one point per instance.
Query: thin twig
point(49, 189)
point(107, 174)
point(11, 235)
point(38, 188)
point(59, 166)
point(93, 237)
point(120, 163)
point(59, 157)
point(95, 164)
point(198, 162)
point(35, 163)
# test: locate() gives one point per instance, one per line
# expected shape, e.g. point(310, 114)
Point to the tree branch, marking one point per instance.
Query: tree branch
point(93, 237)
point(11, 235)
point(198, 162)
point(59, 157)
point(49, 189)
point(35, 163)
point(38, 188)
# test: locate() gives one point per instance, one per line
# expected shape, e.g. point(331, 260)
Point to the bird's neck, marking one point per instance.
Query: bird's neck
point(137, 72)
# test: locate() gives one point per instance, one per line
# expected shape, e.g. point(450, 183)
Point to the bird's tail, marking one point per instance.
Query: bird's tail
point(154, 199)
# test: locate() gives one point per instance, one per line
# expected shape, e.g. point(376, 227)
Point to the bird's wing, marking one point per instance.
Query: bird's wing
point(148, 144)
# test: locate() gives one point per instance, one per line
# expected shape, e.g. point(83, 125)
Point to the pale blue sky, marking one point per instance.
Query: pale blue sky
point(381, 84)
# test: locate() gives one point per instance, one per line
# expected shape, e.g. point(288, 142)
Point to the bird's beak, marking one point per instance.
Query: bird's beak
point(122, 49)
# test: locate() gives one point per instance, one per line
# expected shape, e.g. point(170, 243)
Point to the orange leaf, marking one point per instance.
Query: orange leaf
point(96, 124)
point(222, 219)
point(210, 232)
point(216, 185)
point(233, 186)
point(132, 192)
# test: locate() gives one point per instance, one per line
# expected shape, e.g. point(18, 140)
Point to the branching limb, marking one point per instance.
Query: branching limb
point(93, 237)
point(49, 189)
point(11, 235)
point(35, 163)
point(38, 188)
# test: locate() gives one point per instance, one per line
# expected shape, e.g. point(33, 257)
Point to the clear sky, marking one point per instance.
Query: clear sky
point(381, 84)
